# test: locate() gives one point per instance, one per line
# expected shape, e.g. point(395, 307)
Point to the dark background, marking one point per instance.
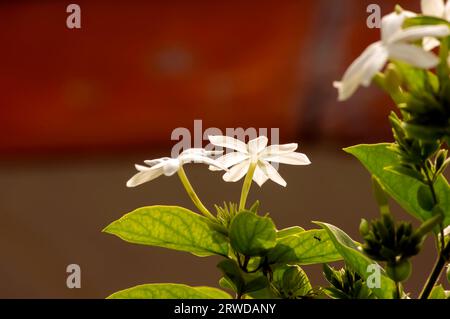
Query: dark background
point(79, 107)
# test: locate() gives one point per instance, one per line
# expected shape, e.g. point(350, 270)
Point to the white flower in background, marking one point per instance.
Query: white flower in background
point(256, 152)
point(396, 44)
point(434, 8)
point(168, 166)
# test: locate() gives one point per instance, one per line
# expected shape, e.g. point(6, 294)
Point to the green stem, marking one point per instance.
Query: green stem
point(436, 202)
point(443, 251)
point(434, 276)
point(190, 190)
point(397, 284)
point(246, 186)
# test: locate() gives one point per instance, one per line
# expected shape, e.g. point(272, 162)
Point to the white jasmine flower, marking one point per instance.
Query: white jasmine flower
point(434, 8)
point(396, 43)
point(256, 152)
point(168, 166)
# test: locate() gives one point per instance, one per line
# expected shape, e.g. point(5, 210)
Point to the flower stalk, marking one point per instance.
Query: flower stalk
point(193, 195)
point(246, 186)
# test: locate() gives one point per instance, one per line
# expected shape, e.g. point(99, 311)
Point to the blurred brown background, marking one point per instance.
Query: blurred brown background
point(79, 107)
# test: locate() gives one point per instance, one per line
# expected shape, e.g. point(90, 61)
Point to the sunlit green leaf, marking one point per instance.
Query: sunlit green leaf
point(403, 189)
point(358, 261)
point(252, 235)
point(305, 248)
point(170, 291)
point(170, 227)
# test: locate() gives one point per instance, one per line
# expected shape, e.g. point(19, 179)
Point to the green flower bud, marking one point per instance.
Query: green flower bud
point(399, 272)
point(364, 227)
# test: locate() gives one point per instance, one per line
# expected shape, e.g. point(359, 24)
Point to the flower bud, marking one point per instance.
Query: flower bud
point(364, 227)
point(400, 271)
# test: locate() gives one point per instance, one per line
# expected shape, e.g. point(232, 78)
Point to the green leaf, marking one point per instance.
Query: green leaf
point(358, 261)
point(170, 291)
point(402, 188)
point(380, 196)
point(255, 284)
point(305, 248)
point(438, 292)
point(233, 275)
point(252, 235)
point(425, 198)
point(424, 20)
point(170, 227)
point(295, 230)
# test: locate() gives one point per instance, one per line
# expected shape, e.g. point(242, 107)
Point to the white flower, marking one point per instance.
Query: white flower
point(396, 43)
point(256, 152)
point(168, 166)
point(434, 8)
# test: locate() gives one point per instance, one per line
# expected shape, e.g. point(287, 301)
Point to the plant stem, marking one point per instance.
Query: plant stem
point(190, 190)
point(443, 251)
point(434, 276)
point(246, 186)
point(435, 202)
point(245, 264)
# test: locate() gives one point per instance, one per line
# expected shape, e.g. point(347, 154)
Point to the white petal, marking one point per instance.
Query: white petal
point(434, 8)
point(290, 158)
point(391, 24)
point(447, 231)
point(419, 32)
point(259, 177)
point(145, 176)
point(273, 150)
point(156, 161)
point(447, 11)
point(142, 168)
point(200, 159)
point(272, 173)
point(201, 151)
point(413, 55)
point(230, 159)
point(236, 172)
point(362, 70)
point(257, 145)
point(430, 43)
point(171, 166)
point(228, 142)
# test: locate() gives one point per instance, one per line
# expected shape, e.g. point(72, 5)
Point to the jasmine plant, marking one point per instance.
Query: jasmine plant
point(411, 63)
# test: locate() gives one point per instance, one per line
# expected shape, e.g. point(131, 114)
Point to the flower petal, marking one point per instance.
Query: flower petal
point(236, 172)
point(145, 176)
point(257, 145)
point(196, 158)
point(272, 173)
point(201, 151)
point(434, 8)
point(259, 177)
point(413, 55)
point(230, 159)
point(273, 150)
point(171, 166)
point(293, 158)
point(228, 142)
point(156, 161)
point(430, 43)
point(362, 70)
point(447, 11)
point(420, 32)
point(391, 24)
